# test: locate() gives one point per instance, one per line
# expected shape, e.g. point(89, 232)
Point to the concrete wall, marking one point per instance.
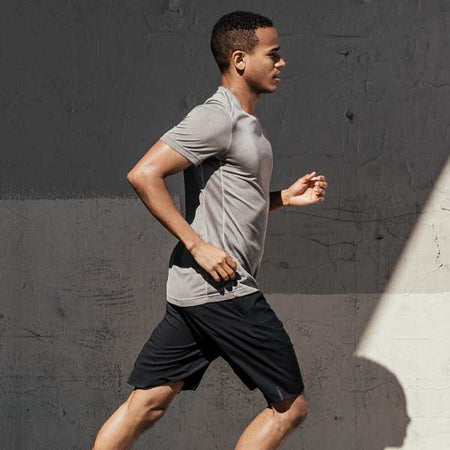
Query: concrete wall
point(361, 281)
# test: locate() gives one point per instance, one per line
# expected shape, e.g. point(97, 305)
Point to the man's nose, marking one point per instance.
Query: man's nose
point(281, 63)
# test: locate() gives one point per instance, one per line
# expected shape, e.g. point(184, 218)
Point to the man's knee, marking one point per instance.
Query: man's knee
point(292, 411)
point(300, 410)
point(147, 405)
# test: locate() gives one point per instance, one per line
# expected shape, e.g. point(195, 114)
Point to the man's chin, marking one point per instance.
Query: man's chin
point(272, 89)
point(268, 88)
point(275, 83)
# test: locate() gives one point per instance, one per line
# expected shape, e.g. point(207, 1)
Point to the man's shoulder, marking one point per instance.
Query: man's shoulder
point(218, 101)
point(215, 111)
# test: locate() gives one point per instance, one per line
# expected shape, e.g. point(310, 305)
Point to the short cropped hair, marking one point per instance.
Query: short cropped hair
point(235, 31)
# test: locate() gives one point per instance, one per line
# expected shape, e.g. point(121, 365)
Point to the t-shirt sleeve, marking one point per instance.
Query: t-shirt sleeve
point(204, 132)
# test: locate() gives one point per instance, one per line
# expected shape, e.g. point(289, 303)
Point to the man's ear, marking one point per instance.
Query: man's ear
point(238, 60)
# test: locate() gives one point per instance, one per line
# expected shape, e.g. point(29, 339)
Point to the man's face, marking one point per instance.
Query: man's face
point(264, 62)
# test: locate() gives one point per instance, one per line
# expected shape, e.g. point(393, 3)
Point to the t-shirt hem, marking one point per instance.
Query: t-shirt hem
point(212, 297)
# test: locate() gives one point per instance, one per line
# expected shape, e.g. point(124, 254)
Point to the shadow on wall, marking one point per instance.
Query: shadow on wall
point(382, 420)
point(369, 408)
point(355, 403)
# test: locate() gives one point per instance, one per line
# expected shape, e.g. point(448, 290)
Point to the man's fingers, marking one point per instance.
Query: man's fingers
point(214, 274)
point(223, 274)
point(230, 267)
point(229, 271)
point(231, 263)
point(226, 269)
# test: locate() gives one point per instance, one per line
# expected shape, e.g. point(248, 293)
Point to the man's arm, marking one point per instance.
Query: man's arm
point(147, 179)
point(307, 190)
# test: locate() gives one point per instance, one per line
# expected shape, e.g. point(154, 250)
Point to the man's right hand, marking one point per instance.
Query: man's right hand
point(217, 262)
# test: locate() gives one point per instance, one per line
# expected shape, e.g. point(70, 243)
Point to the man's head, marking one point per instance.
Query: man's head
point(246, 44)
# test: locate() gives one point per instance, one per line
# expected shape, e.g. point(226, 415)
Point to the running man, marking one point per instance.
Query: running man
point(214, 306)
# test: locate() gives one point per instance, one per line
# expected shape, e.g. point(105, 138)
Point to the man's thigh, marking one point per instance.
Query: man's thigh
point(171, 354)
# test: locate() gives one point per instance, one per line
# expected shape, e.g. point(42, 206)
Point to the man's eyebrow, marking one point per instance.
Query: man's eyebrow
point(274, 48)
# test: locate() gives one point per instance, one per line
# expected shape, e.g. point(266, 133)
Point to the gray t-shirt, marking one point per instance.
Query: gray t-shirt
point(226, 196)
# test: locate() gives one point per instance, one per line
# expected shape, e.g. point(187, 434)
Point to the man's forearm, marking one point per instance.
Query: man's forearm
point(277, 200)
point(153, 192)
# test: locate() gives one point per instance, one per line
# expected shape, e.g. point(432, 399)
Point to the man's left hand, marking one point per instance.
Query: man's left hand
point(307, 190)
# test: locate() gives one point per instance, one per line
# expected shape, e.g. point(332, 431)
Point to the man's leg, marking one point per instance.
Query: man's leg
point(140, 411)
point(170, 351)
point(273, 424)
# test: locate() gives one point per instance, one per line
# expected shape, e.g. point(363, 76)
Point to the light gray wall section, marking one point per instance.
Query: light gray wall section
point(87, 88)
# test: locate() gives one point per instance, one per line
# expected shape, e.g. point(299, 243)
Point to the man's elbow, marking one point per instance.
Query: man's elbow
point(137, 177)
point(131, 177)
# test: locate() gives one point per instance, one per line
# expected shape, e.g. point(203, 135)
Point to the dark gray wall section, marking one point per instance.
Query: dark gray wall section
point(87, 87)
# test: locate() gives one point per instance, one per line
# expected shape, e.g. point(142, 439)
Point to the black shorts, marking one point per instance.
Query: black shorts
point(244, 330)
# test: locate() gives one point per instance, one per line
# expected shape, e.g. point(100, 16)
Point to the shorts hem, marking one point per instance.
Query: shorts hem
point(286, 397)
point(186, 387)
point(191, 379)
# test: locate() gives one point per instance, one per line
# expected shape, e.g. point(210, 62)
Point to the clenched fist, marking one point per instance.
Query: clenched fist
point(215, 261)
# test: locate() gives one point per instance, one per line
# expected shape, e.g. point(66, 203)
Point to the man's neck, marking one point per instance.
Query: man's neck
point(246, 96)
